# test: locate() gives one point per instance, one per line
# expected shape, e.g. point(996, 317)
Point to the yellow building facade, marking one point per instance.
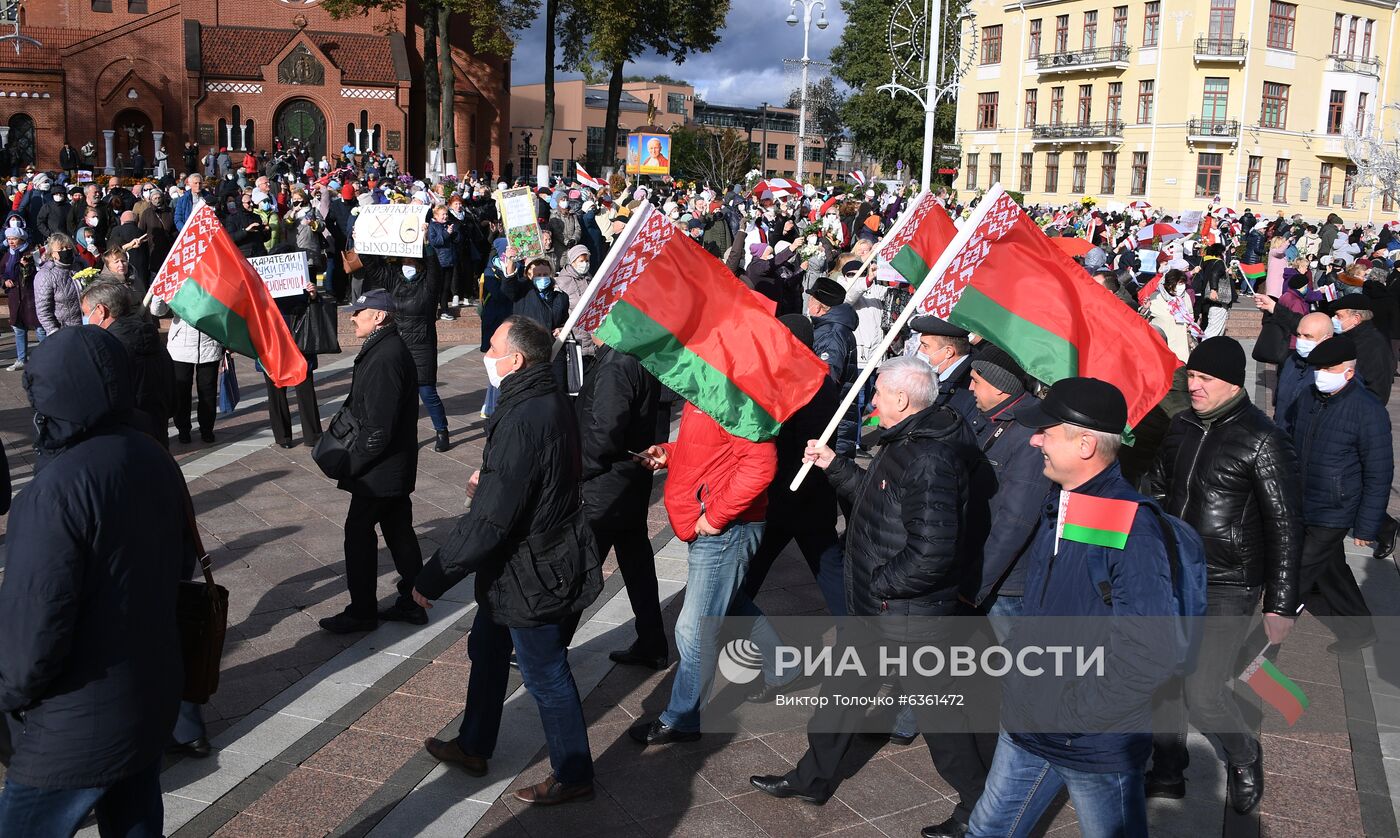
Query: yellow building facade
point(1178, 101)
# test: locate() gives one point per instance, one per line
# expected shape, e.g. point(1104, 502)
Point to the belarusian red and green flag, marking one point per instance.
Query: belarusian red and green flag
point(659, 296)
point(1253, 271)
point(210, 285)
point(1275, 688)
point(1087, 519)
point(919, 236)
point(1012, 285)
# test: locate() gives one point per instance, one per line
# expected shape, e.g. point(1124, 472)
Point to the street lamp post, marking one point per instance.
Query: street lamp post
point(807, 7)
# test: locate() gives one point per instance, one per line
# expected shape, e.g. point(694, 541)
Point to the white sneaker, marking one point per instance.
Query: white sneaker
point(16, 366)
point(456, 301)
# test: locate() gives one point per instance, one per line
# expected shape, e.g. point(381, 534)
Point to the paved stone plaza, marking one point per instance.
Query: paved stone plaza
point(317, 734)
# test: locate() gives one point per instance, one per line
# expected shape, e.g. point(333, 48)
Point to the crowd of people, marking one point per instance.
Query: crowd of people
point(954, 514)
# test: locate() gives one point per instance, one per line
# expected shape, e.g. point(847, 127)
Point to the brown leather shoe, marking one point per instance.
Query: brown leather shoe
point(552, 792)
point(453, 753)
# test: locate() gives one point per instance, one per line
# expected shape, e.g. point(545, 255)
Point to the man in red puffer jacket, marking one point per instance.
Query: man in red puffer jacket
point(716, 497)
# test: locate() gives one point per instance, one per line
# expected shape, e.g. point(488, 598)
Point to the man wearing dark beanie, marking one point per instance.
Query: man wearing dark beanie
point(1230, 473)
point(998, 387)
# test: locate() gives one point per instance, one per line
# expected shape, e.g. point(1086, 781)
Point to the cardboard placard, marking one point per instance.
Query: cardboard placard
point(522, 225)
point(284, 274)
point(390, 230)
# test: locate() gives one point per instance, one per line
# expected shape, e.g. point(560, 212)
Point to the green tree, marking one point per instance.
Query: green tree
point(601, 36)
point(493, 23)
point(717, 157)
point(888, 129)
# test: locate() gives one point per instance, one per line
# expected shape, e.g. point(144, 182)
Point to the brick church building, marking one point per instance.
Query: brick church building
point(122, 74)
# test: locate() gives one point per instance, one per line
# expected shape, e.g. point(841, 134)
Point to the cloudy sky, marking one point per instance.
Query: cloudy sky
point(745, 67)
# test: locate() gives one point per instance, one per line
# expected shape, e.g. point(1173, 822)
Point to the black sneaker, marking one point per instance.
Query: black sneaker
point(184, 436)
point(346, 623)
point(404, 612)
point(206, 436)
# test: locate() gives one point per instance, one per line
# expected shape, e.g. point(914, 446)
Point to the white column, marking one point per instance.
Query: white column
point(243, 136)
point(4, 135)
point(109, 138)
point(369, 144)
point(228, 137)
point(359, 132)
point(157, 139)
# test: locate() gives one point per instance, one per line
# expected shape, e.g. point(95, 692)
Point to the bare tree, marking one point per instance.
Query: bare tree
point(1377, 159)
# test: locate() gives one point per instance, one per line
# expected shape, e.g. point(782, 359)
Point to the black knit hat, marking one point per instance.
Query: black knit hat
point(1000, 370)
point(1220, 357)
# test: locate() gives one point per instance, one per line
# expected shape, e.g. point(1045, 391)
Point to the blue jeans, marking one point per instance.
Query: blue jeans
point(544, 666)
point(129, 808)
point(717, 567)
point(433, 402)
point(22, 341)
point(1021, 786)
point(1005, 606)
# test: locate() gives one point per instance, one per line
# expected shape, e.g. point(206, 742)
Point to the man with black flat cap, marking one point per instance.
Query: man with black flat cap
point(1354, 315)
point(946, 348)
point(834, 341)
point(1230, 473)
point(383, 468)
point(1077, 430)
point(1342, 434)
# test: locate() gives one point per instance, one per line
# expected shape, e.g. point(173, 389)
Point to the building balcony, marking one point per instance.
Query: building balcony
point(1344, 63)
point(1079, 132)
point(1221, 50)
point(1085, 60)
point(1213, 130)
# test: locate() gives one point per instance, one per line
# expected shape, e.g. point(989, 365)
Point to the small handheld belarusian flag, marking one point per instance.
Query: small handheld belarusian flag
point(1086, 519)
point(1275, 688)
point(1329, 293)
point(873, 420)
point(1253, 271)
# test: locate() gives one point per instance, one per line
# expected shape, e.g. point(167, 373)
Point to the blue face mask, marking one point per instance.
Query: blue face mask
point(542, 283)
point(409, 272)
point(86, 320)
point(1336, 325)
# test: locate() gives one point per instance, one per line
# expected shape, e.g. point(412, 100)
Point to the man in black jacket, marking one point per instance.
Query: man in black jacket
point(1354, 314)
point(834, 341)
point(911, 551)
point(1231, 474)
point(525, 525)
point(109, 305)
point(98, 542)
point(383, 469)
point(946, 348)
point(617, 410)
point(998, 386)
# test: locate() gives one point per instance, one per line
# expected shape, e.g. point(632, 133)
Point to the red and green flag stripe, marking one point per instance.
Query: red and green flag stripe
point(917, 245)
point(1087, 519)
point(1253, 271)
point(1275, 688)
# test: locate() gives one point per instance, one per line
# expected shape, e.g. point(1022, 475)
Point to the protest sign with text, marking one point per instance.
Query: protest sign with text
point(284, 274)
point(390, 230)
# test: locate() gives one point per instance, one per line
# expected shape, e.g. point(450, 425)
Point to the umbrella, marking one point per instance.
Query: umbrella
point(1165, 232)
point(1139, 205)
point(1073, 246)
point(1221, 212)
point(780, 187)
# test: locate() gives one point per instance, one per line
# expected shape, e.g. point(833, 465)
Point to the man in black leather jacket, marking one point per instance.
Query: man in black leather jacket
point(1231, 474)
point(912, 550)
point(527, 539)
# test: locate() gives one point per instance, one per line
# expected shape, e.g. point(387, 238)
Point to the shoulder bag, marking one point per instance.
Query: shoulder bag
point(202, 614)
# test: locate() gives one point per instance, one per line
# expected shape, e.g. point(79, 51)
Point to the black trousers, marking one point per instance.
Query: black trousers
point(637, 562)
point(1326, 584)
point(395, 519)
point(961, 756)
point(449, 287)
point(279, 412)
point(205, 378)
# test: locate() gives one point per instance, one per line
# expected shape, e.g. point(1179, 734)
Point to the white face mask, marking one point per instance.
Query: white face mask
point(1337, 325)
point(1330, 382)
point(493, 375)
point(1305, 346)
